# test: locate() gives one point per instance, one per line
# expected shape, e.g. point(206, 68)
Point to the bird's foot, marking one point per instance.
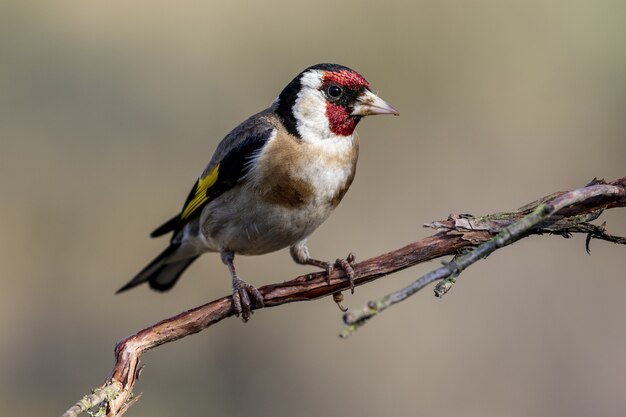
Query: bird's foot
point(345, 264)
point(241, 298)
point(300, 254)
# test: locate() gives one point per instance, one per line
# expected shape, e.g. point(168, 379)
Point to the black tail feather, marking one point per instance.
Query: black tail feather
point(161, 276)
point(166, 227)
point(167, 275)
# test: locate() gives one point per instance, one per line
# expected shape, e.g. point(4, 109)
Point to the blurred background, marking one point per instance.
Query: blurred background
point(109, 110)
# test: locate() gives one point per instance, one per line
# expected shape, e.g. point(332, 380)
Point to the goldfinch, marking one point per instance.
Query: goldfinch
point(272, 181)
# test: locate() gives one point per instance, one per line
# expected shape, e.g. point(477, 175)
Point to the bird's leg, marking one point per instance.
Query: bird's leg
point(241, 289)
point(300, 254)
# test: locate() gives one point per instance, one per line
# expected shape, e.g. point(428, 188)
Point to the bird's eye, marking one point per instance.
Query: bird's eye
point(334, 91)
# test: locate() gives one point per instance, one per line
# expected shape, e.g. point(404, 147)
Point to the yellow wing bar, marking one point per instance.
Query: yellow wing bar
point(200, 196)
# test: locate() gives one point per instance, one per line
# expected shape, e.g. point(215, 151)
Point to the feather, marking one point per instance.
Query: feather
point(229, 166)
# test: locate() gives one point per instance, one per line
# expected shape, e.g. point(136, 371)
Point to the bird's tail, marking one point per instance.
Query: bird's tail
point(160, 274)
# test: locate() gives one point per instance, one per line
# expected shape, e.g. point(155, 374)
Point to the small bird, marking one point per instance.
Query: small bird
point(272, 181)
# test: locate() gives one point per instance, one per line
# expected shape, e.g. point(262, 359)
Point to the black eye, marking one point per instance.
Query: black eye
point(334, 91)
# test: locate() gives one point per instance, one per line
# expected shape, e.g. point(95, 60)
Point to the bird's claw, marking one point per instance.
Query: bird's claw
point(338, 299)
point(241, 298)
point(346, 265)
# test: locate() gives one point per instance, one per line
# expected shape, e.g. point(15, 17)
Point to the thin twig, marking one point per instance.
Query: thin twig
point(451, 270)
point(453, 238)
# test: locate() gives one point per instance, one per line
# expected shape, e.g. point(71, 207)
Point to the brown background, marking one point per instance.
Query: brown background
point(109, 110)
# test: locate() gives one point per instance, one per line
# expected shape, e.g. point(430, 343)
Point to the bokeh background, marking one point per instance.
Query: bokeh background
point(109, 110)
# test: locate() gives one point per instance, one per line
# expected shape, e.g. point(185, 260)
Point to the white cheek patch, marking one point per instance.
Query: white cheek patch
point(310, 108)
point(312, 79)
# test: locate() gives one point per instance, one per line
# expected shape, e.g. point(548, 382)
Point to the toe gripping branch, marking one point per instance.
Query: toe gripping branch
point(347, 266)
point(241, 298)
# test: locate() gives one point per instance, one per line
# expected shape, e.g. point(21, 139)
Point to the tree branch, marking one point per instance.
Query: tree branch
point(540, 220)
point(559, 213)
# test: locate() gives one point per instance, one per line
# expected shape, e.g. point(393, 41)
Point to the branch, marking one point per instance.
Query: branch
point(559, 213)
point(540, 220)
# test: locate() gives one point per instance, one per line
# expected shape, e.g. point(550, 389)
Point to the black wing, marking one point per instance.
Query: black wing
point(227, 168)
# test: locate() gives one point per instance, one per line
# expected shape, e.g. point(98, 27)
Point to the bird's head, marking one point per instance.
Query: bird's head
point(328, 100)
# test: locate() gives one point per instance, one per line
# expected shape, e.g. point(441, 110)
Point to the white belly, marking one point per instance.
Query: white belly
point(242, 222)
point(292, 187)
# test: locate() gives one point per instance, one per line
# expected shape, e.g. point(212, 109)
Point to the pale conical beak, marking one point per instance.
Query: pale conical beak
point(369, 103)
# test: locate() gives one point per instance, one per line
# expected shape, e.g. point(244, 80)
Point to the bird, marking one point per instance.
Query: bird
point(271, 182)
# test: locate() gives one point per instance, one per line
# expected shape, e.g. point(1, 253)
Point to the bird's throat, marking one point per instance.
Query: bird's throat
point(339, 120)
